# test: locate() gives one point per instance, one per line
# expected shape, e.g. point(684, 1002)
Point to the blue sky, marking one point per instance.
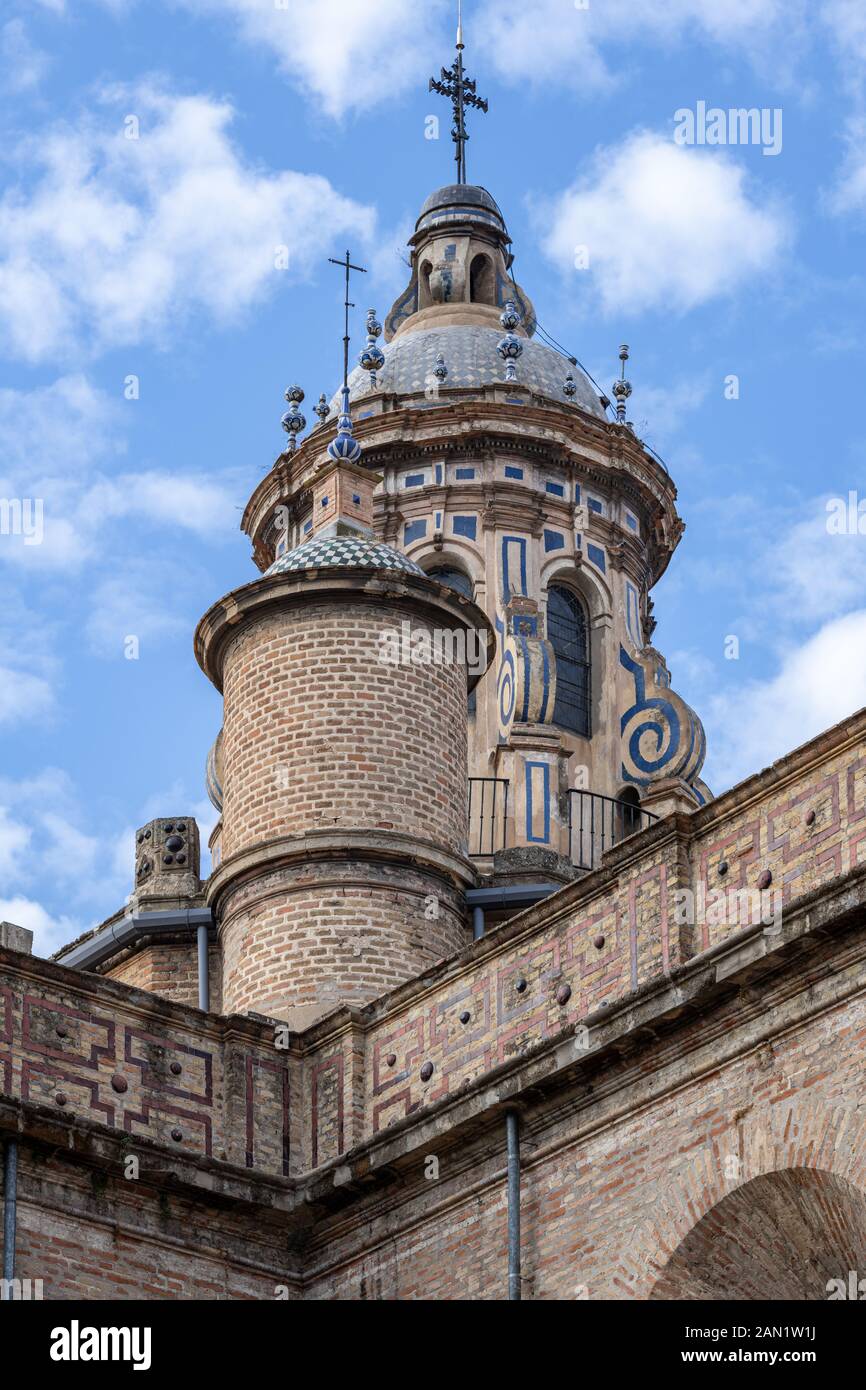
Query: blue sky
point(261, 126)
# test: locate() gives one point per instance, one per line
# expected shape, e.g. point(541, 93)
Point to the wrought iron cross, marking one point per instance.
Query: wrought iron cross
point(348, 267)
point(461, 90)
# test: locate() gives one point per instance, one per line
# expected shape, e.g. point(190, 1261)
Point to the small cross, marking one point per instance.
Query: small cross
point(461, 90)
point(348, 267)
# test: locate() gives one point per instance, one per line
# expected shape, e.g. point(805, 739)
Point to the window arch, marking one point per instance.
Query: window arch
point(628, 812)
point(481, 280)
point(567, 631)
point(455, 579)
point(426, 296)
point(452, 578)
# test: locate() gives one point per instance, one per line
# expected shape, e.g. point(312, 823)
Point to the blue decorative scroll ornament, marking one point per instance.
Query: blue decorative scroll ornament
point(661, 735)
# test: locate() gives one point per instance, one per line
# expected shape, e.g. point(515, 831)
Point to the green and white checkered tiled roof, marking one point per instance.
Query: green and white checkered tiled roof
point(343, 552)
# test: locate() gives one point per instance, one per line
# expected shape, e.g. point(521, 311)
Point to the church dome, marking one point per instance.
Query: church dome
point(343, 552)
point(471, 356)
point(460, 202)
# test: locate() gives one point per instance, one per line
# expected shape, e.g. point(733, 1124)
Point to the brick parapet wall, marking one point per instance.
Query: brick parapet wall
point(605, 938)
point(609, 939)
point(105, 1052)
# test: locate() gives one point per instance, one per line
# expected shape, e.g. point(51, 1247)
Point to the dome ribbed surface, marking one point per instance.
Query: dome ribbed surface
point(457, 202)
point(471, 354)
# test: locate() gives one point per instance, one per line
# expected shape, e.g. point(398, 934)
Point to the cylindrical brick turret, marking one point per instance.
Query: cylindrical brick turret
point(344, 780)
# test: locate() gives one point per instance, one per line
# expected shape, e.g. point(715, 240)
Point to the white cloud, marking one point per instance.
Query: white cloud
point(57, 444)
point(347, 54)
point(23, 696)
point(666, 226)
point(154, 228)
point(849, 192)
point(49, 933)
point(846, 23)
point(133, 602)
point(819, 682)
point(352, 56)
point(814, 574)
point(558, 40)
point(14, 839)
point(23, 65)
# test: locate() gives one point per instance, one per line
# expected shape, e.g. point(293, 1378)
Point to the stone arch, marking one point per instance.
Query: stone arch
point(425, 294)
point(585, 582)
point(803, 1133)
point(461, 555)
point(787, 1235)
point(482, 282)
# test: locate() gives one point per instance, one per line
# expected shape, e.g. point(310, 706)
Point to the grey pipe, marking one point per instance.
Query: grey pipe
point(10, 1215)
point(512, 1139)
point(126, 932)
point(203, 968)
point(477, 923)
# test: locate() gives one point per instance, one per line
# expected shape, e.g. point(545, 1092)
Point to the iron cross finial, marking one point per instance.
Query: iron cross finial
point(455, 85)
point(348, 267)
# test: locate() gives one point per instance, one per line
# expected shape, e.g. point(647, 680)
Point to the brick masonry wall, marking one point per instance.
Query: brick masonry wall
point(613, 1194)
point(622, 1168)
point(300, 940)
point(619, 929)
point(320, 733)
point(91, 1236)
point(92, 1048)
point(171, 971)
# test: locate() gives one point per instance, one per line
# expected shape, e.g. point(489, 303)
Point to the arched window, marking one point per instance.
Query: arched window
point(567, 631)
point(454, 578)
point(481, 280)
point(426, 297)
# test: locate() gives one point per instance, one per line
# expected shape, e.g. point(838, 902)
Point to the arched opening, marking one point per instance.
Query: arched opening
point(628, 815)
point(454, 578)
point(788, 1235)
point(568, 633)
point(426, 295)
point(481, 280)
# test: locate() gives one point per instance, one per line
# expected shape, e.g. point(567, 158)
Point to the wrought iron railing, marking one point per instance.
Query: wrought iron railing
point(488, 813)
point(596, 823)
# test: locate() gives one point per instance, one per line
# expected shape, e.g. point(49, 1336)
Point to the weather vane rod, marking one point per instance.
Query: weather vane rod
point(461, 90)
point(348, 267)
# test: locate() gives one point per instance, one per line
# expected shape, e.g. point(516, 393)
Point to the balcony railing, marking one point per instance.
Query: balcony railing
point(488, 813)
point(596, 823)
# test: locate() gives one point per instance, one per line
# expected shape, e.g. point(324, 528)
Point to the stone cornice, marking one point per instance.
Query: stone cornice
point(561, 437)
point(429, 599)
point(352, 846)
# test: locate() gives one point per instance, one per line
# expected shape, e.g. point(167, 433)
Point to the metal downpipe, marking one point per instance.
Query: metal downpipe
point(512, 1139)
point(10, 1215)
point(203, 968)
